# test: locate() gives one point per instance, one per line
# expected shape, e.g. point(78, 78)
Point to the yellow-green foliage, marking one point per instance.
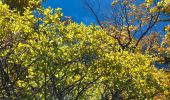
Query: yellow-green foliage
point(21, 5)
point(45, 57)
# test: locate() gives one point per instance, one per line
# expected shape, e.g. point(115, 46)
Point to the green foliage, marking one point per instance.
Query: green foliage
point(46, 58)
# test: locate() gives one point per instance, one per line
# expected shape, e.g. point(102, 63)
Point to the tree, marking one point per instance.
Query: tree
point(21, 5)
point(43, 57)
point(137, 26)
point(164, 49)
point(131, 20)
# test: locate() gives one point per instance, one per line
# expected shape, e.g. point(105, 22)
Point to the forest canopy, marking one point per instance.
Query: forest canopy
point(44, 56)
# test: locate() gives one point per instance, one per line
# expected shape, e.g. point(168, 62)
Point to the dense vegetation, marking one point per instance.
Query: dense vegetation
point(43, 56)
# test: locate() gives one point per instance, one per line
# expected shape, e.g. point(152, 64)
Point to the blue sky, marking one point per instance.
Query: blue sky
point(76, 9)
